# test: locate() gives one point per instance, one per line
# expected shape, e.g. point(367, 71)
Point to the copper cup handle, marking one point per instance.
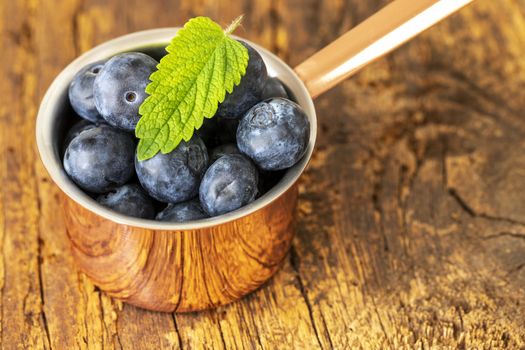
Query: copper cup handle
point(381, 33)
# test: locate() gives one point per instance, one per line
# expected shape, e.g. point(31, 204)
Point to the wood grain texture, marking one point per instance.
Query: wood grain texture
point(411, 224)
point(182, 271)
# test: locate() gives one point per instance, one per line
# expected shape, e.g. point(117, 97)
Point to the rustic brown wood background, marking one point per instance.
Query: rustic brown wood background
point(412, 213)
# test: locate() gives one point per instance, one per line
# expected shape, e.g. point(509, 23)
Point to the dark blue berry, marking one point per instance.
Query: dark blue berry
point(76, 129)
point(274, 88)
point(249, 90)
point(100, 159)
point(81, 92)
point(274, 134)
point(119, 88)
point(180, 212)
point(174, 177)
point(129, 200)
point(229, 183)
point(219, 151)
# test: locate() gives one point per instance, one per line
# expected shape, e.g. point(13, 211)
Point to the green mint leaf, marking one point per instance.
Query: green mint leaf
point(202, 64)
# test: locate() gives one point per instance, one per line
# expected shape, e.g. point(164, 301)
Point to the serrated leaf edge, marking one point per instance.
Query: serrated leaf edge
point(146, 154)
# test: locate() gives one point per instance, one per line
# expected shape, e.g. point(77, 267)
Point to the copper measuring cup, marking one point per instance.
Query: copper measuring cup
point(202, 264)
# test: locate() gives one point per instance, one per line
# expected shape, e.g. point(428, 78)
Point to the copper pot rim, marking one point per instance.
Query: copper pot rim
point(49, 152)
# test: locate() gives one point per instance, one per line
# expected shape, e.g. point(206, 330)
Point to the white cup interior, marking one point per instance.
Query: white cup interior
point(51, 122)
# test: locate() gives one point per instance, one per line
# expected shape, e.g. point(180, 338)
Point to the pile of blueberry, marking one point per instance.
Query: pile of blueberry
point(232, 159)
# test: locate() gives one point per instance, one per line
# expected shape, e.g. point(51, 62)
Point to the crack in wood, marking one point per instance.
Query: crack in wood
point(221, 335)
point(258, 336)
point(326, 333)
point(179, 337)
point(377, 186)
point(117, 335)
point(81, 287)
point(505, 234)
point(463, 205)
point(381, 324)
point(472, 213)
point(294, 261)
point(444, 171)
point(40, 260)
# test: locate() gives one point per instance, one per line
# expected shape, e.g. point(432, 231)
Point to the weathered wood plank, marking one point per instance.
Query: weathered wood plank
point(23, 322)
point(377, 197)
point(411, 215)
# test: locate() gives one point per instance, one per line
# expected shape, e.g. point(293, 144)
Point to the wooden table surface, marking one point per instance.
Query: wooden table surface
point(411, 229)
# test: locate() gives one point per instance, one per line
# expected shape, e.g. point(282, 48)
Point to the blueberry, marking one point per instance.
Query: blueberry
point(274, 88)
point(76, 129)
point(81, 92)
point(100, 159)
point(129, 200)
point(119, 88)
point(185, 211)
point(174, 177)
point(219, 151)
point(229, 183)
point(274, 134)
point(249, 90)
